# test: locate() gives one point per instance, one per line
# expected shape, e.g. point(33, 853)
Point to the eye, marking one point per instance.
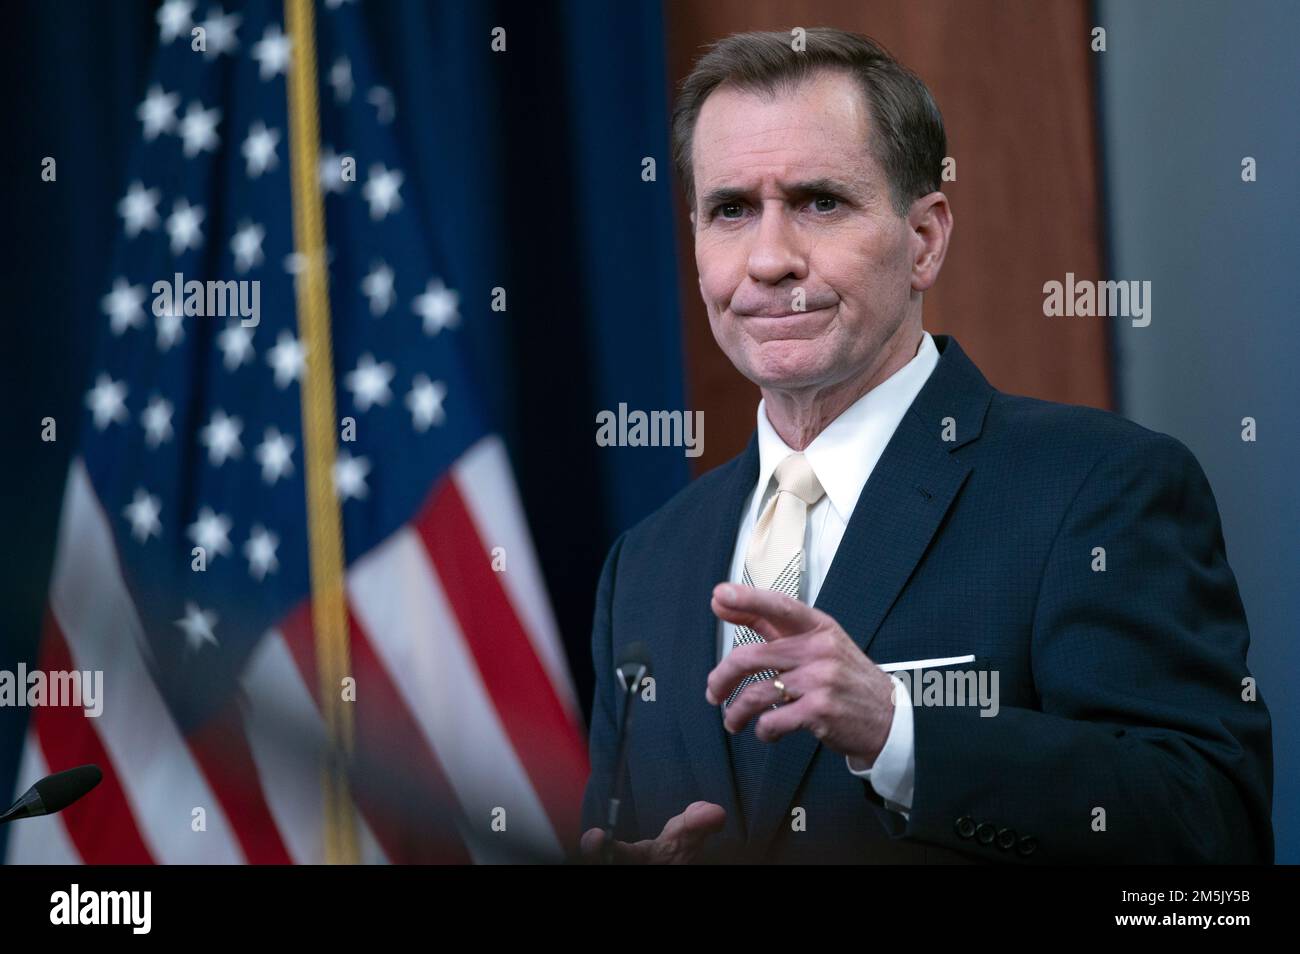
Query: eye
point(722, 212)
point(826, 203)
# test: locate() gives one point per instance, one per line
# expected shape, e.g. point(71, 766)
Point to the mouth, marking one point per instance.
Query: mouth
point(794, 324)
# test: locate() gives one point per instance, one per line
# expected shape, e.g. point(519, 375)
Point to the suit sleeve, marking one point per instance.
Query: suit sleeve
point(1147, 745)
point(605, 710)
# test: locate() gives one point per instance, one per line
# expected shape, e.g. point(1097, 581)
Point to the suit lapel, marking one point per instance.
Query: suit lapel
point(708, 550)
point(901, 506)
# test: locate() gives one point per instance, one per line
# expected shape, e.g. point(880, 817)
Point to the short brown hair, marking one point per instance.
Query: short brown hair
point(910, 143)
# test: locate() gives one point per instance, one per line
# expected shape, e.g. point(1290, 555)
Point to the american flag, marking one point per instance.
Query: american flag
point(211, 736)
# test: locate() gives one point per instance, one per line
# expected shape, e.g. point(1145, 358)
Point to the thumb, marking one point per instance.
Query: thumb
point(589, 846)
point(702, 819)
point(685, 833)
point(703, 816)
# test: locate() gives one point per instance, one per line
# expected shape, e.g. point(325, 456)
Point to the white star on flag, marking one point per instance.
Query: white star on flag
point(157, 421)
point(287, 359)
point(220, 33)
point(369, 383)
point(198, 129)
point(385, 109)
point(381, 190)
point(275, 454)
point(295, 263)
point(341, 79)
point(124, 306)
point(183, 226)
point(198, 626)
point(331, 171)
point(107, 401)
point(236, 344)
point(350, 476)
point(259, 149)
point(221, 437)
point(425, 402)
point(271, 52)
point(211, 531)
point(174, 19)
point(437, 306)
point(170, 329)
point(158, 112)
point(142, 512)
point(260, 550)
point(378, 287)
point(246, 246)
point(139, 209)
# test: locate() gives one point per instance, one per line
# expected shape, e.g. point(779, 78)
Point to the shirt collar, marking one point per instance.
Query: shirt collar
point(846, 451)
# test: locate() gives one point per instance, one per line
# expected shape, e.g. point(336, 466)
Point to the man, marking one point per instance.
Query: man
point(892, 507)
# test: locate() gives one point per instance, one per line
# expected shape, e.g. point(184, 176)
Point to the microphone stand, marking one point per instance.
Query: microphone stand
point(630, 686)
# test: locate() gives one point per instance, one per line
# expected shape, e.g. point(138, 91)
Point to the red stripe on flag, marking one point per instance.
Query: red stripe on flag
point(297, 632)
point(101, 824)
point(549, 745)
point(411, 796)
point(400, 788)
point(221, 749)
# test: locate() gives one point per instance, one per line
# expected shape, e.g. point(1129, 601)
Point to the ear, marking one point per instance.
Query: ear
point(930, 220)
point(692, 220)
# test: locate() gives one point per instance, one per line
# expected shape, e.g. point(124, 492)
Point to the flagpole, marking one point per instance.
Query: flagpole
point(325, 536)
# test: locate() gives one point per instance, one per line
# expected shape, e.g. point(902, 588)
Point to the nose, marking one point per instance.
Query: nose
point(776, 253)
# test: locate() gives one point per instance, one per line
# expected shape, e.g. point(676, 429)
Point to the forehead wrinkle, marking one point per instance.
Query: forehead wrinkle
point(739, 175)
point(771, 143)
point(813, 126)
point(811, 164)
point(797, 185)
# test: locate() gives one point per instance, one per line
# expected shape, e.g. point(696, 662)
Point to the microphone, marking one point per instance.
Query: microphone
point(53, 793)
point(632, 669)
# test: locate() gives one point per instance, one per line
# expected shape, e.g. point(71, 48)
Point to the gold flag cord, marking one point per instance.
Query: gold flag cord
point(325, 536)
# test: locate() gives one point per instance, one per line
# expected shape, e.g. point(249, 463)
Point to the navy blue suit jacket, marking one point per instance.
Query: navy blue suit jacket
point(1120, 690)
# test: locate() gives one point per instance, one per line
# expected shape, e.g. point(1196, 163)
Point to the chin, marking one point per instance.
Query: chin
point(787, 365)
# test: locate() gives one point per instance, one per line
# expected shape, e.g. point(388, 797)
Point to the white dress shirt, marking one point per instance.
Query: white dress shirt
point(843, 456)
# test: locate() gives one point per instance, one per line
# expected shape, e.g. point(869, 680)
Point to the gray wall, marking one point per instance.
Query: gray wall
point(1187, 90)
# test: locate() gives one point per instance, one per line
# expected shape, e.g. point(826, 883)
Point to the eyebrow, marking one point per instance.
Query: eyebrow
point(822, 186)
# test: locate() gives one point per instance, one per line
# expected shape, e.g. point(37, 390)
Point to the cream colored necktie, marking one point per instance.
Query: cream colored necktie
point(775, 558)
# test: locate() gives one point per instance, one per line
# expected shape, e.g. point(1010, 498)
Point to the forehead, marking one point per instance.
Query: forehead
point(818, 128)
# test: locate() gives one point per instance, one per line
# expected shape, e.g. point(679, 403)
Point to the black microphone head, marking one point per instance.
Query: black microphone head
point(61, 789)
point(633, 665)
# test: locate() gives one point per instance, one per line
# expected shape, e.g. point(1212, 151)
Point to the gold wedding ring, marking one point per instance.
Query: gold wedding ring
point(779, 686)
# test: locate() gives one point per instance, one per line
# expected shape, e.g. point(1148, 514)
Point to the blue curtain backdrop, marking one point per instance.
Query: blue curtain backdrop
point(528, 162)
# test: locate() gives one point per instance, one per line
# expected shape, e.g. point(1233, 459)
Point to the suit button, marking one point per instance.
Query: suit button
point(965, 826)
point(1006, 838)
point(1027, 844)
point(985, 834)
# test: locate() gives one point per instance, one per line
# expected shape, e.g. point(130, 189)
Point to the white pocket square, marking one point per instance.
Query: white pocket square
point(926, 663)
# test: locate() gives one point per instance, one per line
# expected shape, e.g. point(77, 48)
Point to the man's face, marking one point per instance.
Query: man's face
point(789, 197)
